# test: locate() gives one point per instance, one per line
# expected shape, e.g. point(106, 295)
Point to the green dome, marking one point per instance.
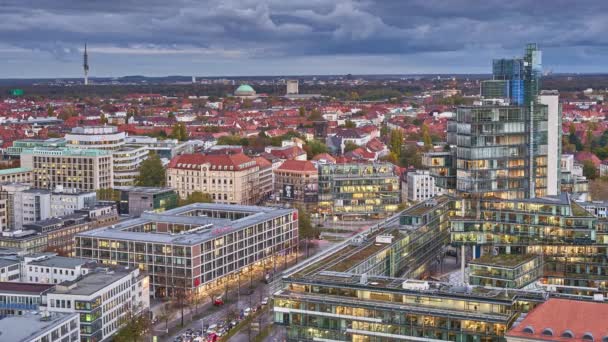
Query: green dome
point(244, 89)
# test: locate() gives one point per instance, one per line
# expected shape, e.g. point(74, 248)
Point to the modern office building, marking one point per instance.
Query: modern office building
point(136, 200)
point(70, 168)
point(524, 252)
point(41, 327)
point(7, 197)
point(195, 246)
point(126, 158)
point(296, 182)
point(228, 178)
point(358, 190)
point(501, 147)
point(103, 298)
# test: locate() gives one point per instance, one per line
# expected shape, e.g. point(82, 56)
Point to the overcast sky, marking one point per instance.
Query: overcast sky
point(45, 38)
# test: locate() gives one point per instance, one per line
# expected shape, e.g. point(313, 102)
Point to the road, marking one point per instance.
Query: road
point(236, 300)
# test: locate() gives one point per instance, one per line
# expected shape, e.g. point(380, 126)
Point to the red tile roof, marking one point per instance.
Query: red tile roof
point(237, 161)
point(560, 315)
point(298, 165)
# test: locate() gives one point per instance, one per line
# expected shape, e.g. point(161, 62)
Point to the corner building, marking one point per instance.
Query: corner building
point(195, 247)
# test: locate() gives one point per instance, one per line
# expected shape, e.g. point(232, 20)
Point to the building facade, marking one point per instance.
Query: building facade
point(70, 168)
point(358, 190)
point(104, 299)
point(43, 327)
point(196, 246)
point(296, 182)
point(228, 178)
point(421, 185)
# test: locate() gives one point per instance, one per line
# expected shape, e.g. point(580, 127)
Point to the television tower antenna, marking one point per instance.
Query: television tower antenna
point(86, 65)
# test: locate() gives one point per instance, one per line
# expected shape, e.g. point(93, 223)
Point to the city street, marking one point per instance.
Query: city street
point(249, 295)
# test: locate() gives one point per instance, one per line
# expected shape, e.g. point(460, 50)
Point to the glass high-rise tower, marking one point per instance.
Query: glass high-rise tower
point(501, 146)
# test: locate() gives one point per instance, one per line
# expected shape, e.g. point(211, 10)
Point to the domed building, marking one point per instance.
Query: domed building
point(244, 90)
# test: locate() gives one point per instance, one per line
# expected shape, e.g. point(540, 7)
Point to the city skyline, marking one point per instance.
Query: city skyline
point(251, 38)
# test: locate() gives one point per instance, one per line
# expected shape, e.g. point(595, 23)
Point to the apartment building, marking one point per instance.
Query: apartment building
point(70, 168)
point(10, 269)
point(228, 178)
point(103, 299)
point(194, 247)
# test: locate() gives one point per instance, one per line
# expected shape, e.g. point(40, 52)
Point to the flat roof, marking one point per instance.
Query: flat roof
point(214, 226)
point(24, 288)
point(28, 327)
point(15, 170)
point(503, 260)
point(61, 262)
point(90, 283)
point(7, 262)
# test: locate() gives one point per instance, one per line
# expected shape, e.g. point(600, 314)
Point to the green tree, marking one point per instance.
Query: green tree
point(314, 147)
point(134, 327)
point(302, 111)
point(103, 119)
point(589, 169)
point(179, 132)
point(305, 228)
point(50, 111)
point(151, 172)
point(197, 197)
point(229, 140)
point(315, 115)
point(426, 138)
point(396, 142)
point(350, 146)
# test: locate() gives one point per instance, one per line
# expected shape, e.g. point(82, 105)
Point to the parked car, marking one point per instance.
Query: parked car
point(265, 301)
point(218, 301)
point(247, 312)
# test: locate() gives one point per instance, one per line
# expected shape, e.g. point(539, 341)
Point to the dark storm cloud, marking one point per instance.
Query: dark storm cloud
point(293, 28)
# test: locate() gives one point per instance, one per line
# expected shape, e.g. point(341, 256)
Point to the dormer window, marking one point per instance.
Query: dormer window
point(528, 330)
point(568, 334)
point(547, 332)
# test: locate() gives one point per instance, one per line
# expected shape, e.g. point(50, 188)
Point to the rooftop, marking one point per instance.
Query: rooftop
point(504, 260)
point(29, 288)
point(61, 262)
point(15, 170)
point(28, 327)
point(207, 227)
point(91, 282)
point(557, 317)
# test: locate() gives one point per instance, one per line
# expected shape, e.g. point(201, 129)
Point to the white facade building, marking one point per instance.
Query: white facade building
point(103, 298)
point(421, 186)
point(554, 140)
point(53, 269)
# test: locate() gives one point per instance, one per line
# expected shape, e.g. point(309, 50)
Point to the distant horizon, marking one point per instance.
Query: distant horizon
point(199, 77)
